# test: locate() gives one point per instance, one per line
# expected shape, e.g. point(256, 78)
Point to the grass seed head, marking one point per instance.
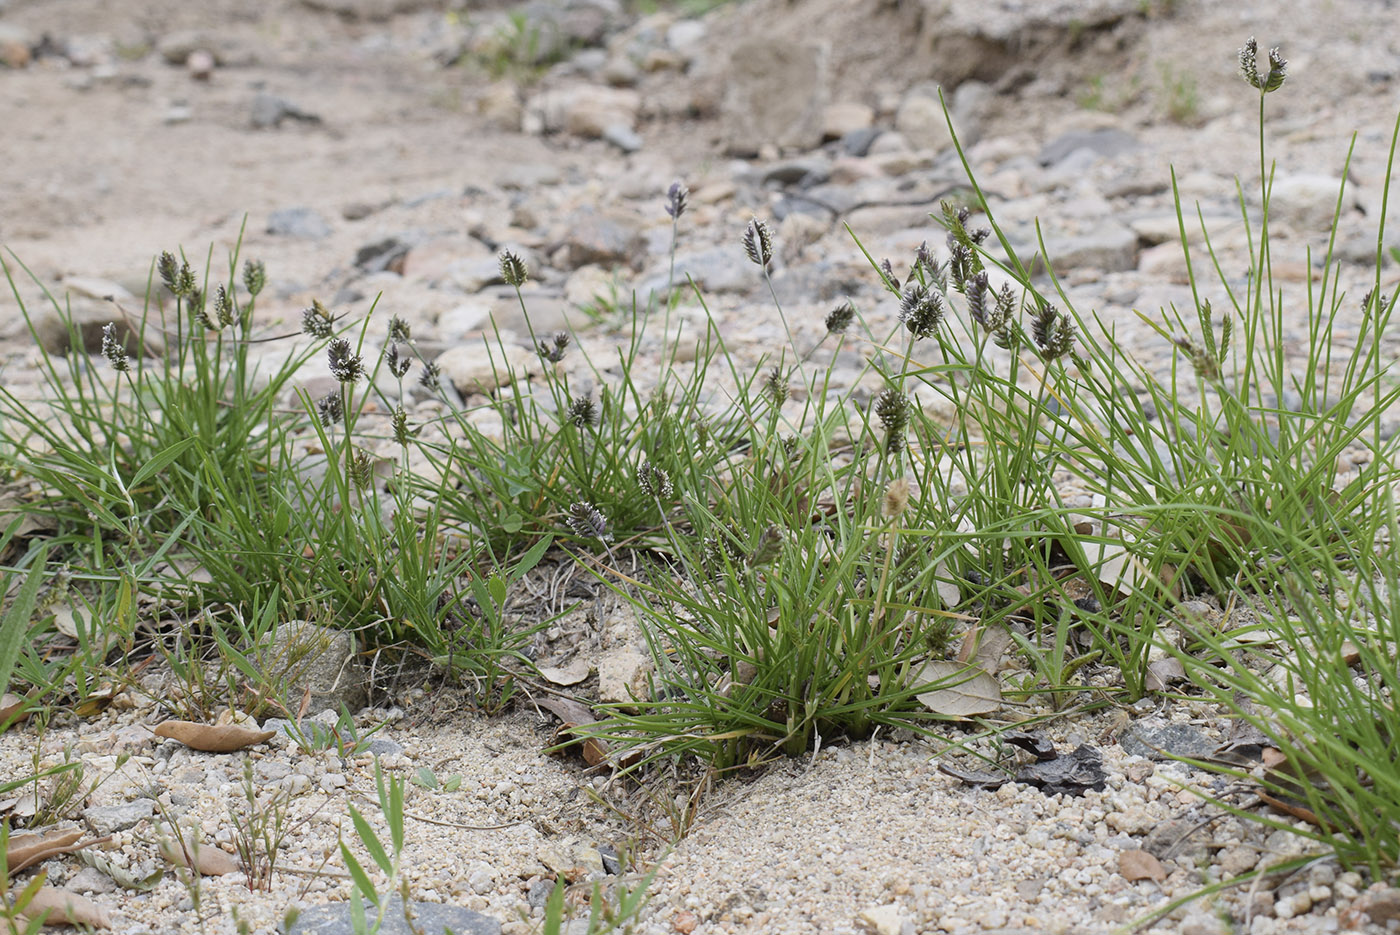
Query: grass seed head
point(1249, 68)
point(398, 365)
point(345, 365)
point(588, 522)
point(330, 408)
point(758, 243)
point(840, 318)
point(676, 197)
point(1053, 332)
point(113, 350)
point(553, 349)
point(775, 386)
point(896, 499)
point(399, 331)
point(654, 481)
point(317, 321)
point(892, 409)
point(402, 435)
point(887, 272)
point(431, 377)
point(361, 469)
point(582, 411)
point(920, 309)
point(254, 276)
point(223, 307)
point(513, 269)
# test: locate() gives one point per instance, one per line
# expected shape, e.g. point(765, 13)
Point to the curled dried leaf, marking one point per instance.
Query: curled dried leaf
point(26, 850)
point(207, 859)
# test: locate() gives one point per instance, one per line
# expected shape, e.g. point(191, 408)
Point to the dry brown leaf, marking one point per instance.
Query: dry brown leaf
point(1162, 673)
point(26, 850)
point(968, 689)
point(10, 706)
point(571, 674)
point(220, 738)
point(984, 646)
point(1140, 865)
point(208, 859)
point(65, 908)
point(575, 714)
point(97, 701)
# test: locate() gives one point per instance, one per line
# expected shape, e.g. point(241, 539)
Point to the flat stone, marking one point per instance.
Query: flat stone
point(623, 137)
point(471, 368)
point(1103, 143)
point(1307, 202)
point(106, 819)
point(334, 919)
point(1110, 247)
point(1159, 742)
point(300, 222)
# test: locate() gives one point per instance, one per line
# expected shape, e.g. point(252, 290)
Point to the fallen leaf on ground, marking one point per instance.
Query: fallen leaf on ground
point(984, 646)
point(571, 674)
point(207, 859)
point(1162, 673)
point(962, 690)
point(65, 908)
point(212, 738)
point(1140, 865)
point(10, 707)
point(26, 850)
point(575, 714)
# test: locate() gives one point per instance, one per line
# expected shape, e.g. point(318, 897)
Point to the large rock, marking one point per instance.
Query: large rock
point(1110, 247)
point(1307, 202)
point(481, 365)
point(920, 116)
point(985, 39)
point(303, 656)
point(775, 94)
point(586, 110)
point(606, 238)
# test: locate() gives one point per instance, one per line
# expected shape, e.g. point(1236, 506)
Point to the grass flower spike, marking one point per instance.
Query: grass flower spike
point(317, 320)
point(758, 243)
point(588, 522)
point(1249, 68)
point(513, 269)
point(345, 365)
point(920, 309)
point(676, 197)
point(113, 350)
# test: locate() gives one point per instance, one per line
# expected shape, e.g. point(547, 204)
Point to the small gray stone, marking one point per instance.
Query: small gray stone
point(623, 137)
point(1104, 143)
point(803, 172)
point(268, 111)
point(858, 142)
point(1307, 202)
point(384, 254)
point(384, 746)
point(334, 919)
point(1161, 742)
point(106, 819)
point(300, 222)
point(272, 770)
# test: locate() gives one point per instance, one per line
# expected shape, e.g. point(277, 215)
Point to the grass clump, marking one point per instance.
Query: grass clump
point(1005, 521)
